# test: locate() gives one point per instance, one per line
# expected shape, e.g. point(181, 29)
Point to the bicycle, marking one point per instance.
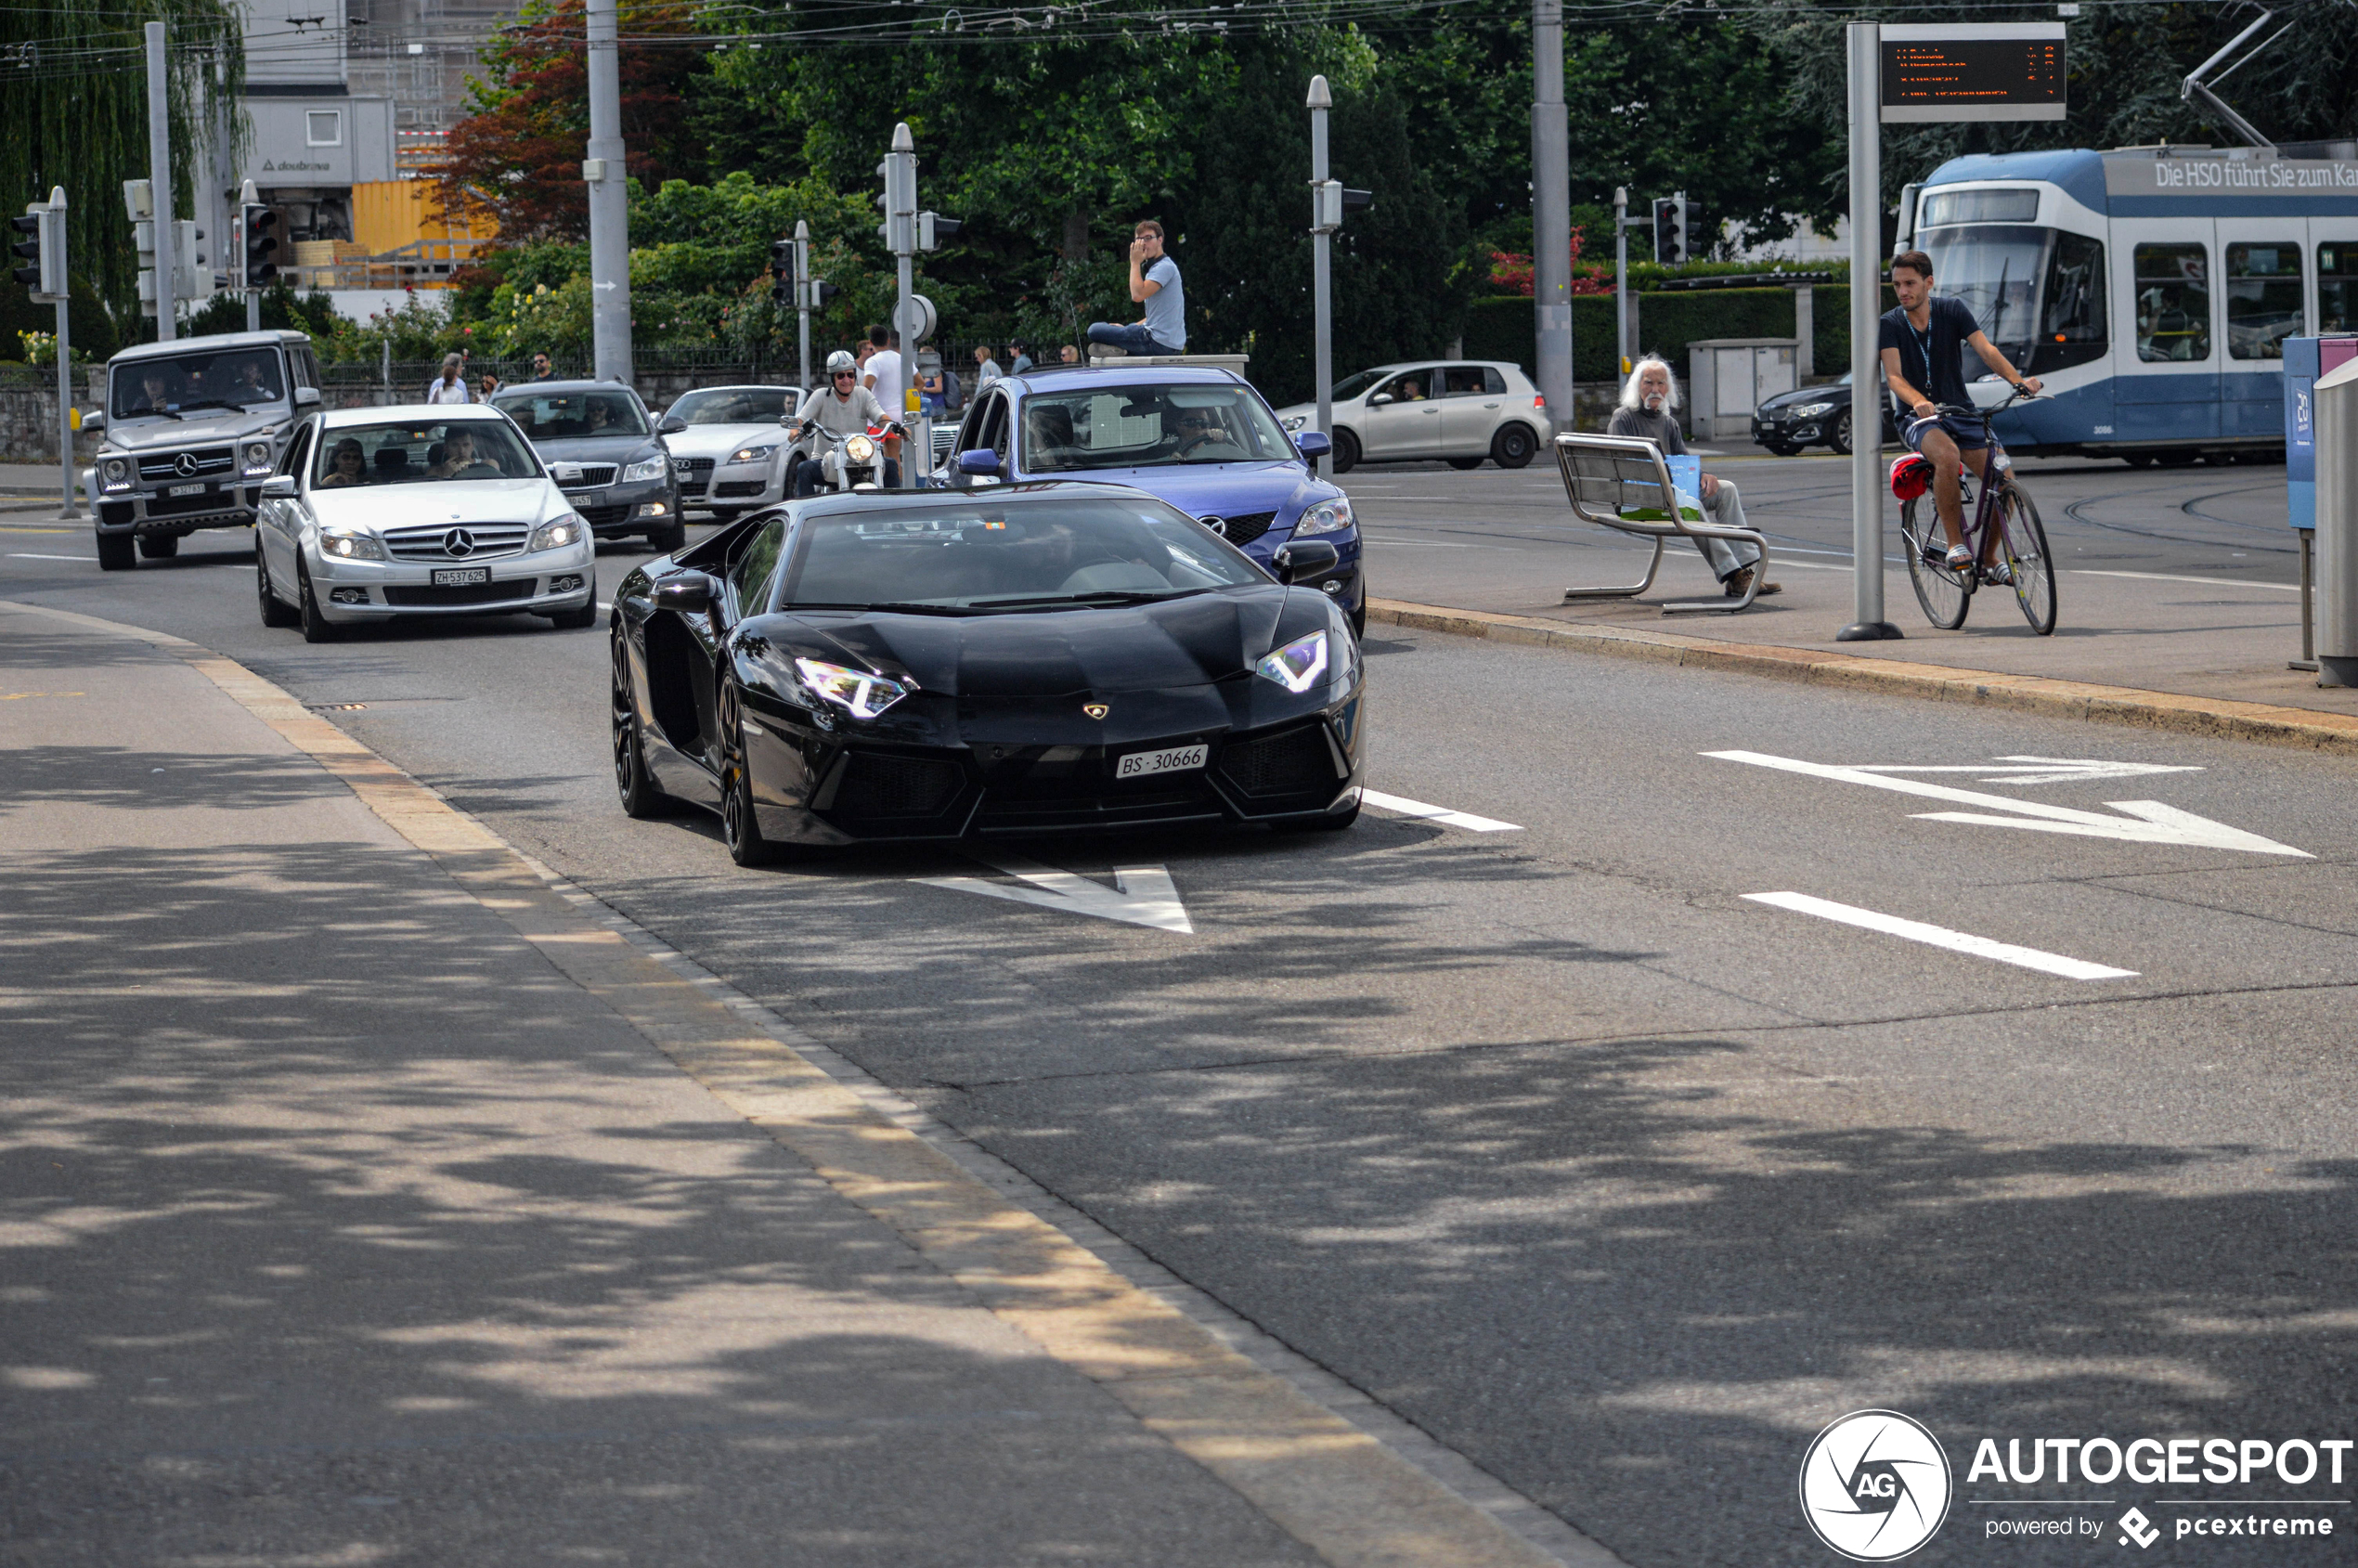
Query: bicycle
point(1947, 594)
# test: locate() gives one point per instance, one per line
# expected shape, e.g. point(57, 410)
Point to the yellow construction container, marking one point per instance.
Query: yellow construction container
point(387, 215)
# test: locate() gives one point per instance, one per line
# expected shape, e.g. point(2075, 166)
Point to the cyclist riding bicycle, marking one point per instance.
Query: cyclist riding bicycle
point(841, 408)
point(1924, 344)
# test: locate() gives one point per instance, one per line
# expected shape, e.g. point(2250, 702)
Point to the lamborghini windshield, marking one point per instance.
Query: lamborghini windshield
point(1146, 426)
point(974, 556)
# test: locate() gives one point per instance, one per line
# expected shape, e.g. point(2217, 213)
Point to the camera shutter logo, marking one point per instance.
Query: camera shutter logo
point(1875, 1486)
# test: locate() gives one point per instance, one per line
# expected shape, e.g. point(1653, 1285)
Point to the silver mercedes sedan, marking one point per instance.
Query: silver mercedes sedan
point(374, 513)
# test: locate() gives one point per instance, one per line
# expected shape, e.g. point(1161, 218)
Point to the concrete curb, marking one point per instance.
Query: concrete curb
point(2262, 723)
point(1329, 1485)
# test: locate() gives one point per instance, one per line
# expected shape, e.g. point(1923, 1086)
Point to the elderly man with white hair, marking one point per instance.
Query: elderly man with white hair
point(1647, 399)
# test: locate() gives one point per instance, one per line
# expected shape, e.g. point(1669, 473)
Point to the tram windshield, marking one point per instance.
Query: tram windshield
point(2038, 293)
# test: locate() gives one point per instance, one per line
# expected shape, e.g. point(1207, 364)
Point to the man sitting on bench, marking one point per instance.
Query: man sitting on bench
point(1647, 399)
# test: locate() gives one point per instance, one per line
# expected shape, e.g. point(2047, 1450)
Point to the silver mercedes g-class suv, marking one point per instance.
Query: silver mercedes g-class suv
point(192, 428)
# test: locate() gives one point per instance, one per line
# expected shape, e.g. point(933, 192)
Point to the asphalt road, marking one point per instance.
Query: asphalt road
point(1613, 1178)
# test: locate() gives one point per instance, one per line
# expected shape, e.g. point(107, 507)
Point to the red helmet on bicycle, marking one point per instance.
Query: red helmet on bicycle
point(1910, 475)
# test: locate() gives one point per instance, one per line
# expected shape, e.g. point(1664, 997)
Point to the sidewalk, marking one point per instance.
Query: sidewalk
point(364, 1200)
point(2134, 615)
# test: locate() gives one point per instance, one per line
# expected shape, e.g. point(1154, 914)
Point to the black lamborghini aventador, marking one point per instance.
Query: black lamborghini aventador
point(1025, 658)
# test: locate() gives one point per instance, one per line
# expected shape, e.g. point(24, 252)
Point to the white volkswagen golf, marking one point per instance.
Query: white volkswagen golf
point(443, 511)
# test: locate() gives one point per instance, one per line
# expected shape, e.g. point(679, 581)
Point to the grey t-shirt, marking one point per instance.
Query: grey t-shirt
point(1167, 306)
point(1660, 429)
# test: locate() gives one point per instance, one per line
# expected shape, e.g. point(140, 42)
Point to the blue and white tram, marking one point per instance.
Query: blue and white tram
point(2150, 289)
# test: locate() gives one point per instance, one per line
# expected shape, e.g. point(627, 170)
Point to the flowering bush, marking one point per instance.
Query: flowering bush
point(40, 348)
point(1511, 272)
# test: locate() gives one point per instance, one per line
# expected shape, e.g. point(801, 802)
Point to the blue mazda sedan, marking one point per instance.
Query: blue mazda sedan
point(1196, 437)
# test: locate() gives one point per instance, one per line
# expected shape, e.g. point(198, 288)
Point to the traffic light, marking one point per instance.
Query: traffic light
point(1357, 200)
point(782, 274)
point(256, 245)
point(820, 293)
point(193, 278)
point(933, 228)
point(1330, 200)
point(1670, 229)
point(899, 231)
point(27, 245)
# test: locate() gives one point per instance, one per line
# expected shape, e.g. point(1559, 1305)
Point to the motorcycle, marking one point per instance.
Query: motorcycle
point(854, 462)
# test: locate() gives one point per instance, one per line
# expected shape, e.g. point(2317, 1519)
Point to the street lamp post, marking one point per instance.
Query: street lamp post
point(1867, 624)
point(1550, 213)
point(159, 177)
point(1321, 274)
point(602, 169)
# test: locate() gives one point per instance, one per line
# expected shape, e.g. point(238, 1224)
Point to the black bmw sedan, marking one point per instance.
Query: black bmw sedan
point(1019, 659)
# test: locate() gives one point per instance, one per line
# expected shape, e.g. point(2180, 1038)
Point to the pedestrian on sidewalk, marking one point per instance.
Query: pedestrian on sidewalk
point(1154, 284)
point(1648, 400)
point(986, 367)
point(1020, 362)
point(451, 386)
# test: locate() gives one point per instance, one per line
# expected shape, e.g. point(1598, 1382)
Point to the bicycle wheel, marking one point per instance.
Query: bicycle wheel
point(2024, 539)
point(1946, 595)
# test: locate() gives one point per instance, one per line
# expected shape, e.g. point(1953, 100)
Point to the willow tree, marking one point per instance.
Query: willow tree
point(74, 112)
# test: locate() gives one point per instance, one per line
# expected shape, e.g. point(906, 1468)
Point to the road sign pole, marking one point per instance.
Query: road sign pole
point(802, 292)
point(1550, 213)
point(602, 169)
point(1322, 296)
point(1620, 278)
point(159, 176)
point(1867, 623)
point(67, 510)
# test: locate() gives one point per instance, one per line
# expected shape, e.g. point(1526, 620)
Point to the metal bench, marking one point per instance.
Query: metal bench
point(1608, 477)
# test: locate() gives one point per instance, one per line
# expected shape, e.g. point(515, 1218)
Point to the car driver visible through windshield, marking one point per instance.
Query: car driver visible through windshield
point(971, 557)
point(408, 454)
point(1148, 427)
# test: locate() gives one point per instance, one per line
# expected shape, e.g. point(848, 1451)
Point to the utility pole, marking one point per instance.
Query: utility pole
point(45, 225)
point(1620, 277)
point(160, 176)
point(802, 292)
point(603, 170)
point(1867, 624)
point(1322, 296)
point(1550, 212)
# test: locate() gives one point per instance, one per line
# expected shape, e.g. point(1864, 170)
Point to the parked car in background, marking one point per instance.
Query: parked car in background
point(730, 458)
point(1811, 416)
point(1461, 412)
point(605, 453)
point(1196, 437)
point(379, 513)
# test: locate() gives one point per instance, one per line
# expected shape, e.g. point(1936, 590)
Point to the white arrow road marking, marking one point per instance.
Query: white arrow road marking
point(1940, 935)
point(1440, 814)
point(2148, 822)
point(2036, 770)
point(1142, 895)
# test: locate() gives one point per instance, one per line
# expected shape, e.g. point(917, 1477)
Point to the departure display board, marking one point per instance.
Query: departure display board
point(1987, 70)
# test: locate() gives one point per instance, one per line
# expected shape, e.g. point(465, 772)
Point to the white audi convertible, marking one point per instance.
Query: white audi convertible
point(440, 511)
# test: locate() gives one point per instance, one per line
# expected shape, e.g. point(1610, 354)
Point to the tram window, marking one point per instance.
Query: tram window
point(2338, 286)
point(2173, 303)
point(2071, 312)
point(2264, 299)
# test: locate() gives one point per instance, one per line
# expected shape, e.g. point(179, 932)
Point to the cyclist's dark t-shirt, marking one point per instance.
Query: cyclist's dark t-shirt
point(1943, 340)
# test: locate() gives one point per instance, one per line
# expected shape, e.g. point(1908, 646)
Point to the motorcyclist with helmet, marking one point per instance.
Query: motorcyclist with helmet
point(842, 407)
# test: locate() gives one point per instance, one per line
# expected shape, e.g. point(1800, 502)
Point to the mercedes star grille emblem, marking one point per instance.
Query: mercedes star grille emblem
point(1217, 525)
point(184, 464)
point(458, 543)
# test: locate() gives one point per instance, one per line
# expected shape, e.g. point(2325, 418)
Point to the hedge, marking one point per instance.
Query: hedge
point(1501, 328)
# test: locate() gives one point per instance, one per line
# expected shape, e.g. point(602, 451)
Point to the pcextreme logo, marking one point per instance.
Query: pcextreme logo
point(1874, 1485)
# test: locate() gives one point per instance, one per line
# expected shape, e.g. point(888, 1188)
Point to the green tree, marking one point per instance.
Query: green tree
point(76, 114)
